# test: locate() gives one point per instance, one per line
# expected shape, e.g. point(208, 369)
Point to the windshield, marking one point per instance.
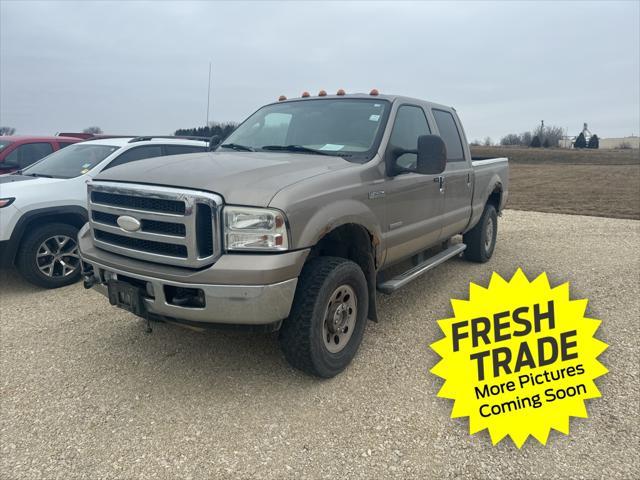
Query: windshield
point(71, 161)
point(4, 143)
point(341, 127)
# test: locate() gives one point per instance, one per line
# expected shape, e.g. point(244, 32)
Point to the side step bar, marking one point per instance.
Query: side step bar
point(401, 280)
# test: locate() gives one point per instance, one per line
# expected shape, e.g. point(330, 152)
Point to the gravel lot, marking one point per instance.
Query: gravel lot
point(87, 394)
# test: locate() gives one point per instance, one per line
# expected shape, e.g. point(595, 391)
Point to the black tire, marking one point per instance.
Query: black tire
point(479, 246)
point(302, 338)
point(27, 260)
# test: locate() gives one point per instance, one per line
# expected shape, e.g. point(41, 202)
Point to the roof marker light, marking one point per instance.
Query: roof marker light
point(340, 92)
point(374, 92)
point(282, 98)
point(322, 93)
point(305, 94)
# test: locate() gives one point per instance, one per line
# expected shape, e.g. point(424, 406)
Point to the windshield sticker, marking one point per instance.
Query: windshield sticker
point(331, 147)
point(86, 165)
point(374, 118)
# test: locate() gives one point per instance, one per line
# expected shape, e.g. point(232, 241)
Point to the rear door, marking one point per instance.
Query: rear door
point(413, 201)
point(457, 177)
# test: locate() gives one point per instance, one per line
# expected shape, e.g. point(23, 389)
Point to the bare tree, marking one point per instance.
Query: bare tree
point(93, 130)
point(7, 130)
point(549, 134)
point(487, 142)
point(510, 139)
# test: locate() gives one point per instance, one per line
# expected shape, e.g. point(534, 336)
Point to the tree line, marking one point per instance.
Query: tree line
point(547, 137)
point(222, 129)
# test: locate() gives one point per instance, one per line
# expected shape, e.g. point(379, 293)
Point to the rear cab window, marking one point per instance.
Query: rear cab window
point(450, 135)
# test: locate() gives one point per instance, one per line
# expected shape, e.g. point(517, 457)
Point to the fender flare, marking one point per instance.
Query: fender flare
point(20, 229)
point(330, 217)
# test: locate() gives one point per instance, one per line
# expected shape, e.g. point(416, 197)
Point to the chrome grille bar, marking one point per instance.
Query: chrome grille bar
point(156, 206)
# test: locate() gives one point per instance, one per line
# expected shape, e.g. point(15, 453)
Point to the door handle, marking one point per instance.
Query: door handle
point(440, 181)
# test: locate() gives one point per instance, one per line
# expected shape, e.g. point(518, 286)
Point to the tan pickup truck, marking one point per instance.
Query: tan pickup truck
point(292, 223)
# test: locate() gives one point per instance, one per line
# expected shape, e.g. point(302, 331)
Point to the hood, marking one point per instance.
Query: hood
point(244, 178)
point(14, 185)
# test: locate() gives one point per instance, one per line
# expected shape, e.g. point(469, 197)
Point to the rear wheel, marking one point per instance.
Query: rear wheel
point(328, 317)
point(49, 256)
point(481, 239)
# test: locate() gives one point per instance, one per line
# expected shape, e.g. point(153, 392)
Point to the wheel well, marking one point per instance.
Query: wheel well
point(353, 242)
point(496, 197)
point(74, 219)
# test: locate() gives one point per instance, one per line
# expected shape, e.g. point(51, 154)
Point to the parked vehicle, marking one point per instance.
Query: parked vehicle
point(18, 152)
point(43, 206)
point(294, 221)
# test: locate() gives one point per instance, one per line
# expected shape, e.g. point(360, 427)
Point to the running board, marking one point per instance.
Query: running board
point(401, 280)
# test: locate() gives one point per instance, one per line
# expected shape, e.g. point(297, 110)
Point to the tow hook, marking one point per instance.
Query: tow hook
point(88, 281)
point(88, 277)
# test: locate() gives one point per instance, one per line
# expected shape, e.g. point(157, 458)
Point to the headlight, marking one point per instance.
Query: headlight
point(5, 202)
point(261, 229)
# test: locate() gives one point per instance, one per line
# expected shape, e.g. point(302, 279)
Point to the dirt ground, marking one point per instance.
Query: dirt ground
point(86, 394)
point(602, 183)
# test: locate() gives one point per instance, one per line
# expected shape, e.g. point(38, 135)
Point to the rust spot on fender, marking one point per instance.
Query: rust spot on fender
point(375, 240)
point(327, 229)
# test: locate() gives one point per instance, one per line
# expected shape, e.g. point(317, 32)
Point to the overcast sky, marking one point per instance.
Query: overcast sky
point(142, 67)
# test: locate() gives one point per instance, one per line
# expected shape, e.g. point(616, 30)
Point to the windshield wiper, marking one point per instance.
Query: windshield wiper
point(295, 148)
point(38, 175)
point(236, 146)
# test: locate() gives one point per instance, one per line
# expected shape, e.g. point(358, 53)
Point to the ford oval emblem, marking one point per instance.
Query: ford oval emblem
point(128, 223)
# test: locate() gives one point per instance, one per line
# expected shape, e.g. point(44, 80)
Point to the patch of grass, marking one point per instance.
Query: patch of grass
point(603, 183)
point(561, 155)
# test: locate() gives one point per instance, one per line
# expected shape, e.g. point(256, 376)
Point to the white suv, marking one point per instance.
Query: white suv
point(43, 206)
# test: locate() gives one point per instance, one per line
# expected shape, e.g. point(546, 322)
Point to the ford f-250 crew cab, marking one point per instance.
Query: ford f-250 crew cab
point(293, 221)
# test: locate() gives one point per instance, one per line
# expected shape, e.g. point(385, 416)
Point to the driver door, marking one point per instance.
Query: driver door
point(414, 202)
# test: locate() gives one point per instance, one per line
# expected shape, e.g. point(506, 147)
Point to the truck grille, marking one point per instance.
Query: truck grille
point(176, 227)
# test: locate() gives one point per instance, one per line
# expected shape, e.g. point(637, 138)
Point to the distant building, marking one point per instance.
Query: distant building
point(566, 142)
point(632, 141)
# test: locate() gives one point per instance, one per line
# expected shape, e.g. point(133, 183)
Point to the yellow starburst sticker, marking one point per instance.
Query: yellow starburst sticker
point(519, 358)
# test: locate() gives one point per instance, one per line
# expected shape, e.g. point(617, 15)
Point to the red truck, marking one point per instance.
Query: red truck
point(17, 152)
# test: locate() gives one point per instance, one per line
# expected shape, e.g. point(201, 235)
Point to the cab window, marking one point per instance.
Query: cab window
point(409, 125)
point(450, 135)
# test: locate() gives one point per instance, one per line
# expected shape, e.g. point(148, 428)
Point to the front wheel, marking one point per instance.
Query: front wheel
point(49, 256)
point(481, 239)
point(328, 317)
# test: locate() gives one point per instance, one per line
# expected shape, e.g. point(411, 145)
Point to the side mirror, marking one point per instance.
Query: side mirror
point(432, 155)
point(214, 141)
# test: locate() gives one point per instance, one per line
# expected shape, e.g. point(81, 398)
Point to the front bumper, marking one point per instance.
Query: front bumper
point(224, 304)
point(237, 289)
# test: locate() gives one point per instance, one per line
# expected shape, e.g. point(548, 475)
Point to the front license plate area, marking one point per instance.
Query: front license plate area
point(126, 296)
